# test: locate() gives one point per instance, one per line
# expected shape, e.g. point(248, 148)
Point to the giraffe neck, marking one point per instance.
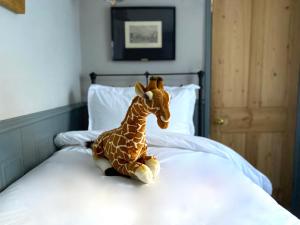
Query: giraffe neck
point(135, 119)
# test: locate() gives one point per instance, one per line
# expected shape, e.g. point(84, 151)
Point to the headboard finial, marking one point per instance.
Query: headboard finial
point(147, 76)
point(93, 77)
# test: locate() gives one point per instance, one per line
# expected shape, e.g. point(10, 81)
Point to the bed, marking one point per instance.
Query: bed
point(201, 181)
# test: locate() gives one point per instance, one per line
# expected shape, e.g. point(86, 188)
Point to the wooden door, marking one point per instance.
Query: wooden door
point(255, 66)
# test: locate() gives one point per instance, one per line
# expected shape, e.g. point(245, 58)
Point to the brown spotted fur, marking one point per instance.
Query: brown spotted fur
point(125, 147)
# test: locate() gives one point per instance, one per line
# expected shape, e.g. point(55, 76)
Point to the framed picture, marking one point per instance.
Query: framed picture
point(143, 33)
point(17, 6)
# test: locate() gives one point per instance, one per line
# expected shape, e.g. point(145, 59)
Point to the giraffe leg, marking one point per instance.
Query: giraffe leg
point(97, 151)
point(101, 162)
point(152, 163)
point(134, 169)
point(112, 172)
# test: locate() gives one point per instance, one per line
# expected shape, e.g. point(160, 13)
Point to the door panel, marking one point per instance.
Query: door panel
point(231, 45)
point(276, 47)
point(235, 140)
point(255, 57)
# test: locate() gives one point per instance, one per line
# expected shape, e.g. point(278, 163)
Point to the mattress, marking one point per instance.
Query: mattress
point(201, 182)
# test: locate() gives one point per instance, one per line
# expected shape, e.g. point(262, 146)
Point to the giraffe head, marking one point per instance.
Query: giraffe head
point(156, 99)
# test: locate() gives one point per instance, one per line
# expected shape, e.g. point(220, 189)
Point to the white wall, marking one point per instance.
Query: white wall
point(44, 52)
point(40, 58)
point(96, 38)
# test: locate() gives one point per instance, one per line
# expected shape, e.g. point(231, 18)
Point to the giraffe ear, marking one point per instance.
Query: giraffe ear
point(139, 89)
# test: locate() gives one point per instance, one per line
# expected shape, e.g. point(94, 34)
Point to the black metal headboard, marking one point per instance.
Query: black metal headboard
point(200, 74)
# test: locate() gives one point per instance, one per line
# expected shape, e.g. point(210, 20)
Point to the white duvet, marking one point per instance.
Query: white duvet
point(201, 183)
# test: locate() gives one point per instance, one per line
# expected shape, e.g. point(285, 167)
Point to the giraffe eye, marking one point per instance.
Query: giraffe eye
point(148, 95)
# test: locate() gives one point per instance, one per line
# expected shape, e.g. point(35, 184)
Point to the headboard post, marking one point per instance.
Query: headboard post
point(146, 76)
point(93, 77)
point(201, 103)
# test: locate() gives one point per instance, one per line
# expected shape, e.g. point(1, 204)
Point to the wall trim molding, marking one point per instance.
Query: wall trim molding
point(21, 121)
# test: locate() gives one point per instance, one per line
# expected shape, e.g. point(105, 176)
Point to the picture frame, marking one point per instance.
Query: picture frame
point(143, 33)
point(17, 6)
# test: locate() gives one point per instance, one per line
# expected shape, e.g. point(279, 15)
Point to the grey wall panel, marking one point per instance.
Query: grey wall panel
point(11, 163)
point(27, 141)
point(29, 152)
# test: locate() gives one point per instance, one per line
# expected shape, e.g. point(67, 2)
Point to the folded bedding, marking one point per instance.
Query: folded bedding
point(200, 182)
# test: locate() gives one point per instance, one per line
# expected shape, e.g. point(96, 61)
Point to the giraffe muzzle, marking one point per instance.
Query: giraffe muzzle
point(164, 120)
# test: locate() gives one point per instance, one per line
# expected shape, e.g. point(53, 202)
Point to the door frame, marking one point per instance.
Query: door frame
point(206, 99)
point(296, 183)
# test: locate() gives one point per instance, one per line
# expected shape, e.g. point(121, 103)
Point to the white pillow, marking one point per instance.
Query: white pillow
point(107, 107)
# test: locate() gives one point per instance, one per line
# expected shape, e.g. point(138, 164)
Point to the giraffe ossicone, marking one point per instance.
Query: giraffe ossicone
point(125, 147)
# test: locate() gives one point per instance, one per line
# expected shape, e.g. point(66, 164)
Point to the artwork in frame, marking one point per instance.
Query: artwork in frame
point(143, 33)
point(17, 6)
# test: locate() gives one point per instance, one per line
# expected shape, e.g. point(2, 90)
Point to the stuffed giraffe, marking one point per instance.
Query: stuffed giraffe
point(125, 148)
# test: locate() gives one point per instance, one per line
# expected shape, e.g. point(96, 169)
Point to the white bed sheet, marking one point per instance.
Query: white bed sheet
point(201, 182)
